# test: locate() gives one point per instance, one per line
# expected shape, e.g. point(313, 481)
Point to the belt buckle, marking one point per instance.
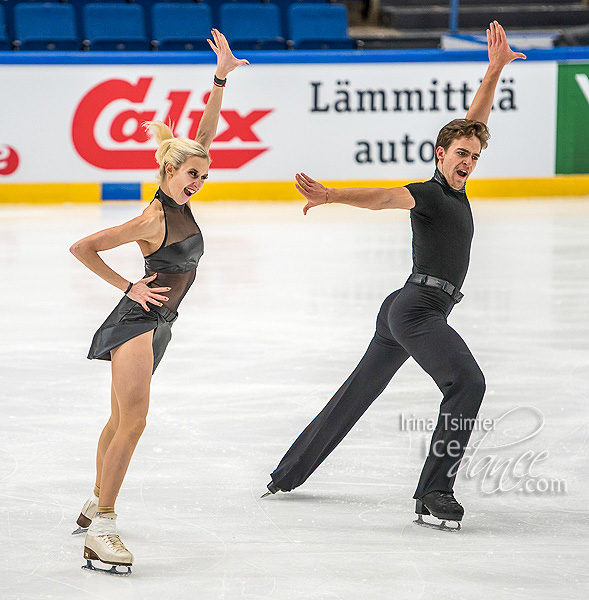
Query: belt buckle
point(448, 288)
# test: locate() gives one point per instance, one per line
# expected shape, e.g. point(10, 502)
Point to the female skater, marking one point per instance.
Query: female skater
point(135, 335)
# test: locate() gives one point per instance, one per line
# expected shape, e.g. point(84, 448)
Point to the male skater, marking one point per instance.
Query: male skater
point(413, 320)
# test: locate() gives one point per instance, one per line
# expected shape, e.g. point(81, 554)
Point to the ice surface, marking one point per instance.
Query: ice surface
point(282, 309)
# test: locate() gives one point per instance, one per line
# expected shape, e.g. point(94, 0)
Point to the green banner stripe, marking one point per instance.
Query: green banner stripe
point(572, 122)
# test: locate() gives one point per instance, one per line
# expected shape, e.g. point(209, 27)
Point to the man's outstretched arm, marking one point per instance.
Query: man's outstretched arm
point(500, 55)
point(372, 198)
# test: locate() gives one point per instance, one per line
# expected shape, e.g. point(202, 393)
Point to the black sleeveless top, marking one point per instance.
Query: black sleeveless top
point(175, 261)
point(443, 228)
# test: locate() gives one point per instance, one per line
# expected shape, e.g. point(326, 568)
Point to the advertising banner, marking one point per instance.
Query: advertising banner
point(572, 142)
point(338, 122)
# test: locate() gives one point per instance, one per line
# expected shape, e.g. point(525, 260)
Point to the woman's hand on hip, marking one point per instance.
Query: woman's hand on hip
point(142, 293)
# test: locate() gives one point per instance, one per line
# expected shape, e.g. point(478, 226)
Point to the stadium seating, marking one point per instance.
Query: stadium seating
point(45, 26)
point(4, 39)
point(251, 26)
point(475, 14)
point(283, 6)
point(112, 26)
point(319, 26)
point(181, 26)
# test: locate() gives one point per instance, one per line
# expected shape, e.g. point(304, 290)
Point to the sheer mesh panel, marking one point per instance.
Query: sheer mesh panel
point(179, 282)
point(180, 223)
point(176, 260)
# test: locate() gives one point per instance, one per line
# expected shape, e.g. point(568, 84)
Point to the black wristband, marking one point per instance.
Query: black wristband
point(220, 82)
point(129, 288)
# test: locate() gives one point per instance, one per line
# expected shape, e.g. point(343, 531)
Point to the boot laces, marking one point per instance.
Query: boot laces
point(114, 542)
point(448, 498)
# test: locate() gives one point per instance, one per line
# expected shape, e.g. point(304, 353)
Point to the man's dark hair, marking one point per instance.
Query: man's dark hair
point(462, 128)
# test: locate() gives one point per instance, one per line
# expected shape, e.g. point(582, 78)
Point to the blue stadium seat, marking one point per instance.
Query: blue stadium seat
point(4, 40)
point(181, 26)
point(113, 26)
point(319, 26)
point(149, 4)
point(46, 26)
point(283, 6)
point(250, 26)
point(79, 6)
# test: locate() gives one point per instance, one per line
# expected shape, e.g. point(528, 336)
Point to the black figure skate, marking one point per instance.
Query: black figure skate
point(441, 505)
point(272, 489)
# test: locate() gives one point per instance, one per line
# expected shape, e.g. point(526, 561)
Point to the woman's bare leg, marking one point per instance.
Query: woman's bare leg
point(132, 365)
point(107, 433)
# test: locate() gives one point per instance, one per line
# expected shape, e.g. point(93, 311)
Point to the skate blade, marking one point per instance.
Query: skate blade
point(439, 526)
point(272, 489)
point(112, 571)
point(80, 530)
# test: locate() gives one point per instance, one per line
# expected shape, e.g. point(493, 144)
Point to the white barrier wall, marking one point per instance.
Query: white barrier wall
point(339, 122)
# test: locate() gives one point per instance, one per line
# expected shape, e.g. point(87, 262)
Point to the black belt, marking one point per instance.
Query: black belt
point(441, 284)
point(169, 315)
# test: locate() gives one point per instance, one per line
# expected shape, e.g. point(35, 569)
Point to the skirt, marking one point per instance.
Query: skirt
point(128, 320)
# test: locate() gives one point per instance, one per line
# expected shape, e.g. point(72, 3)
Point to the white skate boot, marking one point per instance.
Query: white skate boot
point(87, 514)
point(104, 544)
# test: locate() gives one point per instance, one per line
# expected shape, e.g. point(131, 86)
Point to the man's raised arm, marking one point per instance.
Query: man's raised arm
point(500, 54)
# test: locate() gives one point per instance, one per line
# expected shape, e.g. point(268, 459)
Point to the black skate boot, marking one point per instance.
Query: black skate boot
point(272, 489)
point(441, 505)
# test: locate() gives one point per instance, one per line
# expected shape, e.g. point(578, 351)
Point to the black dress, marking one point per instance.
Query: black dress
point(175, 263)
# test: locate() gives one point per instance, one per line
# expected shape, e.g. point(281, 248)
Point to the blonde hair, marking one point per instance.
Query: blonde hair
point(173, 150)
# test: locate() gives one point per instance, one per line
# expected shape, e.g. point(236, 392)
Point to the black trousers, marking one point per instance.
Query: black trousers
point(412, 322)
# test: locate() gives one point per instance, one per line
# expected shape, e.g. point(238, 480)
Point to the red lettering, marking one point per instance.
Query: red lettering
point(178, 101)
point(8, 160)
point(139, 134)
point(195, 116)
point(241, 127)
point(96, 100)
point(86, 116)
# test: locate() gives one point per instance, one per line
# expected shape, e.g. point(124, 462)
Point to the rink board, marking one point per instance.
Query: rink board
point(354, 119)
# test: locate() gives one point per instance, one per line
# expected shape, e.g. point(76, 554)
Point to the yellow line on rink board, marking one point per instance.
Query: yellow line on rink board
point(49, 193)
point(278, 191)
point(562, 185)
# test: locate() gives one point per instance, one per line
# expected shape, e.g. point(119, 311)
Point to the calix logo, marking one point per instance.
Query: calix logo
point(126, 125)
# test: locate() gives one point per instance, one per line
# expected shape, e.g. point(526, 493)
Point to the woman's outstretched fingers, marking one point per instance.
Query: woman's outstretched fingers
point(226, 62)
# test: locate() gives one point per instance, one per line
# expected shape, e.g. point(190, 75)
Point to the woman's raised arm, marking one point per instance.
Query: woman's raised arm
point(226, 62)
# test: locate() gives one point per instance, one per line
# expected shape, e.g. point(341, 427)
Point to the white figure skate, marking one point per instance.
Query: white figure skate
point(87, 514)
point(104, 544)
